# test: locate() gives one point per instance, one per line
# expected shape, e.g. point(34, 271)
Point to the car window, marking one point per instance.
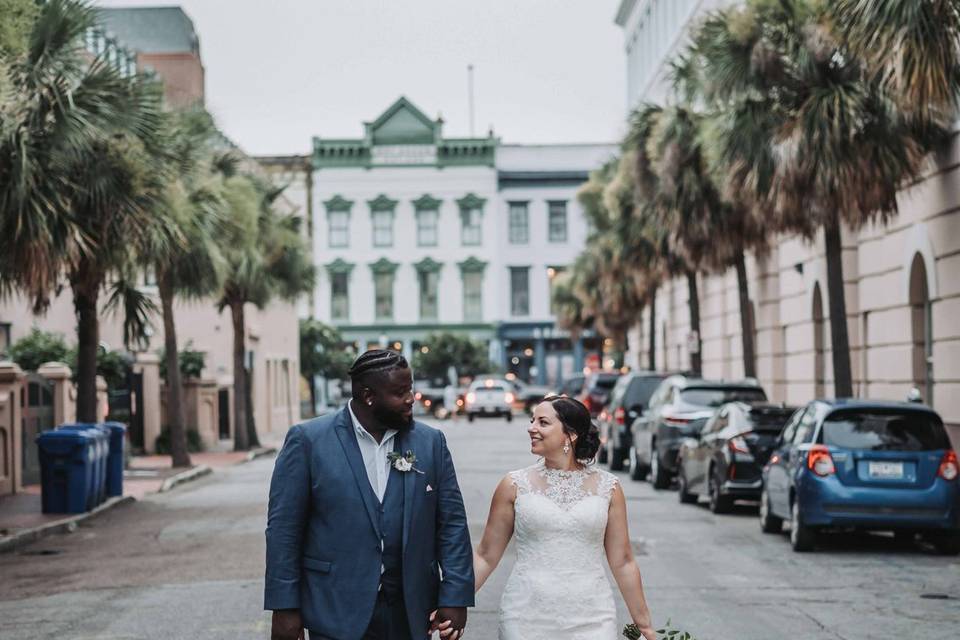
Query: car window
point(791, 427)
point(885, 431)
point(640, 391)
point(716, 396)
point(805, 427)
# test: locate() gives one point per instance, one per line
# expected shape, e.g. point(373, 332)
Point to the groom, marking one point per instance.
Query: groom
point(366, 530)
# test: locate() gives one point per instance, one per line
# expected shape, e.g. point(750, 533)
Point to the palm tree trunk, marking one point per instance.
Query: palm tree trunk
point(175, 409)
point(88, 340)
point(840, 342)
point(746, 320)
point(652, 337)
point(696, 357)
point(240, 440)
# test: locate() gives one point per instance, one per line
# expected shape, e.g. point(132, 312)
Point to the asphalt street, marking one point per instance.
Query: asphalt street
point(189, 565)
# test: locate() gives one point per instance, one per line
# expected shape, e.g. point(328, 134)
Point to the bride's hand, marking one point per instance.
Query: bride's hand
point(648, 632)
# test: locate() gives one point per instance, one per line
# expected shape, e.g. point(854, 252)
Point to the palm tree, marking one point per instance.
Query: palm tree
point(912, 48)
point(266, 258)
point(78, 169)
point(182, 251)
point(834, 148)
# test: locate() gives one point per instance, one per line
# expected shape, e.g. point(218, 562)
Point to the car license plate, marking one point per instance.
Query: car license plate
point(886, 470)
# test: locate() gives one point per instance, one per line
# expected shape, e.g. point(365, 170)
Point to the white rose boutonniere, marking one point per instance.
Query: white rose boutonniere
point(403, 463)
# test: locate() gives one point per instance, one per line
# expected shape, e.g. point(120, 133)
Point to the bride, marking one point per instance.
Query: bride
point(565, 514)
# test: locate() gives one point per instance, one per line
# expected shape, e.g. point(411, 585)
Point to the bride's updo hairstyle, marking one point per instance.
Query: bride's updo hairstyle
point(576, 421)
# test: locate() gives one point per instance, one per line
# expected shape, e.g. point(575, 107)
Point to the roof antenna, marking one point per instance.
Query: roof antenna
point(470, 95)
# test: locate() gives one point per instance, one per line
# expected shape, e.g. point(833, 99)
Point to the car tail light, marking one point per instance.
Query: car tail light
point(418, 395)
point(675, 421)
point(471, 397)
point(588, 403)
point(738, 445)
point(819, 461)
point(508, 398)
point(620, 416)
point(949, 467)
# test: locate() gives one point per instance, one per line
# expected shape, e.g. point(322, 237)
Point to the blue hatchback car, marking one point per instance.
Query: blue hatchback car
point(859, 464)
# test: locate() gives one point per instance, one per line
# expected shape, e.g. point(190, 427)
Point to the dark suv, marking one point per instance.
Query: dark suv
point(628, 400)
point(678, 410)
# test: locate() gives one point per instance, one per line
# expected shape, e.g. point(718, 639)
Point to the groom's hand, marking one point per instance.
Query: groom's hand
point(287, 625)
point(455, 619)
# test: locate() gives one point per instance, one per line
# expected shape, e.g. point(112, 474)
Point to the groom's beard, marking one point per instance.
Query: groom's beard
point(393, 420)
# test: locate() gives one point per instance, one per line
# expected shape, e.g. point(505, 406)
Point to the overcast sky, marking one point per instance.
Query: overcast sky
point(281, 71)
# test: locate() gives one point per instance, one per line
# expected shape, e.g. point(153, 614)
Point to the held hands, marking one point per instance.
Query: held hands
point(449, 621)
point(287, 625)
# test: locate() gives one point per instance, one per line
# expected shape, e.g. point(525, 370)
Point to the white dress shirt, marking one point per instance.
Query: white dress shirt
point(374, 454)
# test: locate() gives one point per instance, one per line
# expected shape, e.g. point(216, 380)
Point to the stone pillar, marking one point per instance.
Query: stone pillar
point(540, 358)
point(148, 364)
point(578, 356)
point(11, 428)
point(202, 409)
point(64, 406)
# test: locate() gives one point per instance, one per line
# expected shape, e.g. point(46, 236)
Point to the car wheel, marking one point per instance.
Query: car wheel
point(685, 496)
point(637, 471)
point(658, 475)
point(470, 417)
point(946, 543)
point(769, 523)
point(614, 457)
point(719, 503)
point(602, 455)
point(802, 537)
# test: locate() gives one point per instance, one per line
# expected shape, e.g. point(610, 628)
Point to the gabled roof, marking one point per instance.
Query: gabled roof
point(151, 29)
point(402, 123)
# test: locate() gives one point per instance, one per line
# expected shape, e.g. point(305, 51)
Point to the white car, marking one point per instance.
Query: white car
point(490, 397)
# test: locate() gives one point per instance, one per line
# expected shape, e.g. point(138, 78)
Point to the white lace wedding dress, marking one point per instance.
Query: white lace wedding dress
point(558, 589)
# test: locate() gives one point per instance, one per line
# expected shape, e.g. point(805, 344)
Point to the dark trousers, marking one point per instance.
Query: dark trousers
point(389, 621)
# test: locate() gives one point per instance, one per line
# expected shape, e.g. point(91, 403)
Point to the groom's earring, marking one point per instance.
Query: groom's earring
point(566, 447)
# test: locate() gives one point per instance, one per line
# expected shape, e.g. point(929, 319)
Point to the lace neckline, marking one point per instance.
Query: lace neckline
point(545, 471)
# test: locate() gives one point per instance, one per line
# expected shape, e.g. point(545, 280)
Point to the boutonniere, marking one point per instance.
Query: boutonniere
point(404, 462)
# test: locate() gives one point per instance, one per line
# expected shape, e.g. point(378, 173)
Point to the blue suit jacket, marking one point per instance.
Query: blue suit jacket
point(323, 546)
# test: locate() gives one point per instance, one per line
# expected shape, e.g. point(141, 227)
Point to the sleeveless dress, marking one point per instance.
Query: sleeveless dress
point(558, 589)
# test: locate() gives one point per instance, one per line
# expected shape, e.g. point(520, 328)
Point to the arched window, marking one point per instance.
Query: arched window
point(920, 318)
point(819, 340)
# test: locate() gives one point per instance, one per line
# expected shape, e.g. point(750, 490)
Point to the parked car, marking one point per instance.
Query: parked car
point(572, 386)
point(489, 397)
point(527, 396)
point(596, 390)
point(678, 409)
point(628, 400)
point(725, 462)
point(861, 464)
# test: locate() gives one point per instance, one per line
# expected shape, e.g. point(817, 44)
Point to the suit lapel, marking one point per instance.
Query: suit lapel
point(409, 486)
point(348, 440)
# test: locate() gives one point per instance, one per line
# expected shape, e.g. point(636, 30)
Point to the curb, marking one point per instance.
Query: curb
point(66, 525)
point(259, 453)
point(184, 476)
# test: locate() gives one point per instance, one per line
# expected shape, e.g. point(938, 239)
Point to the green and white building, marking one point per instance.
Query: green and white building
point(414, 232)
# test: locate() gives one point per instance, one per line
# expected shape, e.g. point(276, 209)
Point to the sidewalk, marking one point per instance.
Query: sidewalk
point(22, 521)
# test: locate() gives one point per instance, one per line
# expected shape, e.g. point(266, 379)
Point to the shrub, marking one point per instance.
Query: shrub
point(162, 443)
point(39, 347)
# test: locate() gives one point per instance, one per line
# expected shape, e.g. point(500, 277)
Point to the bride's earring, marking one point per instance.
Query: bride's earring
point(566, 447)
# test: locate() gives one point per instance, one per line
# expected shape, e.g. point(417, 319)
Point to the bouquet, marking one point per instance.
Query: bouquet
point(632, 632)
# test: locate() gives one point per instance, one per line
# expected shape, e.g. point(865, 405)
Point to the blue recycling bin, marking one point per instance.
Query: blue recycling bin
point(67, 460)
point(98, 492)
point(118, 439)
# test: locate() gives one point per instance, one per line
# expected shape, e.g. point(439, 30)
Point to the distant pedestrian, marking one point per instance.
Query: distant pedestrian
point(450, 400)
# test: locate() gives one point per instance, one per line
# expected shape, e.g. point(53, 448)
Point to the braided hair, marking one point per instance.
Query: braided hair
point(371, 367)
